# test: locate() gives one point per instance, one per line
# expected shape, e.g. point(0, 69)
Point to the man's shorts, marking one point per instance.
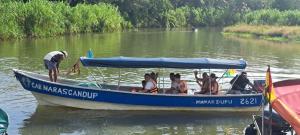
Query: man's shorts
point(50, 65)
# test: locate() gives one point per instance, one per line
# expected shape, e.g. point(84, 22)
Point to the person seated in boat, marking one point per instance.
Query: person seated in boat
point(52, 61)
point(239, 83)
point(75, 68)
point(203, 83)
point(214, 85)
point(181, 84)
point(174, 85)
point(139, 89)
point(154, 76)
point(210, 85)
point(150, 86)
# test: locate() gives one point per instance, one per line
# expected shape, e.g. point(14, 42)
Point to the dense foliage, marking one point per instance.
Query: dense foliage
point(273, 17)
point(23, 18)
point(182, 13)
point(39, 18)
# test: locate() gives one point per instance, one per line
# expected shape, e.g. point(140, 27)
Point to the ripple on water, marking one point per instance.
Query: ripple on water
point(16, 101)
point(7, 63)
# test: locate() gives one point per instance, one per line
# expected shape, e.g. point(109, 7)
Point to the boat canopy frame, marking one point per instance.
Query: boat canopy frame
point(181, 63)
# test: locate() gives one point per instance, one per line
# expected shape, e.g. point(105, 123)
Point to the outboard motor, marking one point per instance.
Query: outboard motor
point(279, 125)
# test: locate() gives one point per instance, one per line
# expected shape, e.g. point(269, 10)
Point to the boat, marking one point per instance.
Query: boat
point(72, 93)
point(279, 125)
point(283, 113)
point(3, 122)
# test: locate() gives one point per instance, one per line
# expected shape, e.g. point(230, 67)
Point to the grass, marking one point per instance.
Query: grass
point(267, 32)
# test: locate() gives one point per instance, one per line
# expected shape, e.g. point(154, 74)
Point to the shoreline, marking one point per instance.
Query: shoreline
point(266, 32)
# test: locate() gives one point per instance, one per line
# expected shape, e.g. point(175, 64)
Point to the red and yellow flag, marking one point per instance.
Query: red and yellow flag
point(269, 88)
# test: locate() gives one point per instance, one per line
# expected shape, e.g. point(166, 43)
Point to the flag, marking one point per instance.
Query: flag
point(269, 88)
point(230, 73)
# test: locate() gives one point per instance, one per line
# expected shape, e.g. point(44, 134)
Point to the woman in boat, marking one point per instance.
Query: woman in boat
point(154, 76)
point(182, 85)
point(151, 85)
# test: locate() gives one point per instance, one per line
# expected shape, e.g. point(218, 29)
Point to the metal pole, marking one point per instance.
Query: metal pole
point(119, 78)
point(163, 73)
point(270, 111)
point(209, 79)
point(223, 75)
point(263, 114)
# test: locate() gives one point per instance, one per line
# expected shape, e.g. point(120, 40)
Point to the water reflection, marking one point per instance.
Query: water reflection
point(27, 54)
point(56, 120)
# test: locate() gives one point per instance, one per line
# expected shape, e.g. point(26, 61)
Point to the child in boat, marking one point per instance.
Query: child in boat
point(75, 68)
point(181, 84)
point(138, 89)
point(174, 85)
point(214, 85)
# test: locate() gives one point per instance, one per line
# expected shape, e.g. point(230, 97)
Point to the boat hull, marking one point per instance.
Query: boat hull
point(62, 94)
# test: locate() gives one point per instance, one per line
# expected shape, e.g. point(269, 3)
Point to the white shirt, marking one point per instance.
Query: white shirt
point(149, 85)
point(174, 85)
point(51, 54)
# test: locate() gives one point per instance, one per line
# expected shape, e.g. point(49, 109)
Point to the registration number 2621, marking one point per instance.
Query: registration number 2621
point(246, 101)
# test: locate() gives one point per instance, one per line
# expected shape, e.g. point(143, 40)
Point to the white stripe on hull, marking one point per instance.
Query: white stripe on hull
point(44, 99)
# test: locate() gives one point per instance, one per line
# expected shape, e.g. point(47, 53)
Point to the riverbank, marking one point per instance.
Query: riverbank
point(267, 32)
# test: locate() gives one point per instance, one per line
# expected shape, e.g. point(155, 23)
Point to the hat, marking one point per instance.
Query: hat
point(65, 53)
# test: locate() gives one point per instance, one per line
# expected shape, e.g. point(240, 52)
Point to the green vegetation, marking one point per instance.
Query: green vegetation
point(269, 24)
point(41, 18)
point(275, 33)
point(273, 17)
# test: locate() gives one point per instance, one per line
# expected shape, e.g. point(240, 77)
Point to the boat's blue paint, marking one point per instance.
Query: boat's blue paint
point(184, 63)
point(3, 121)
point(120, 97)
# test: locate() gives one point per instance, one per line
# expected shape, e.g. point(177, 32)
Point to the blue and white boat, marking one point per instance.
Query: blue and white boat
point(67, 92)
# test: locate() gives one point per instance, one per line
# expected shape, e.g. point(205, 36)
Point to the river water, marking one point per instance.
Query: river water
point(28, 118)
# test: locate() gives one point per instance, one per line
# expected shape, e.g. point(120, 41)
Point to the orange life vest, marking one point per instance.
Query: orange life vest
point(154, 89)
